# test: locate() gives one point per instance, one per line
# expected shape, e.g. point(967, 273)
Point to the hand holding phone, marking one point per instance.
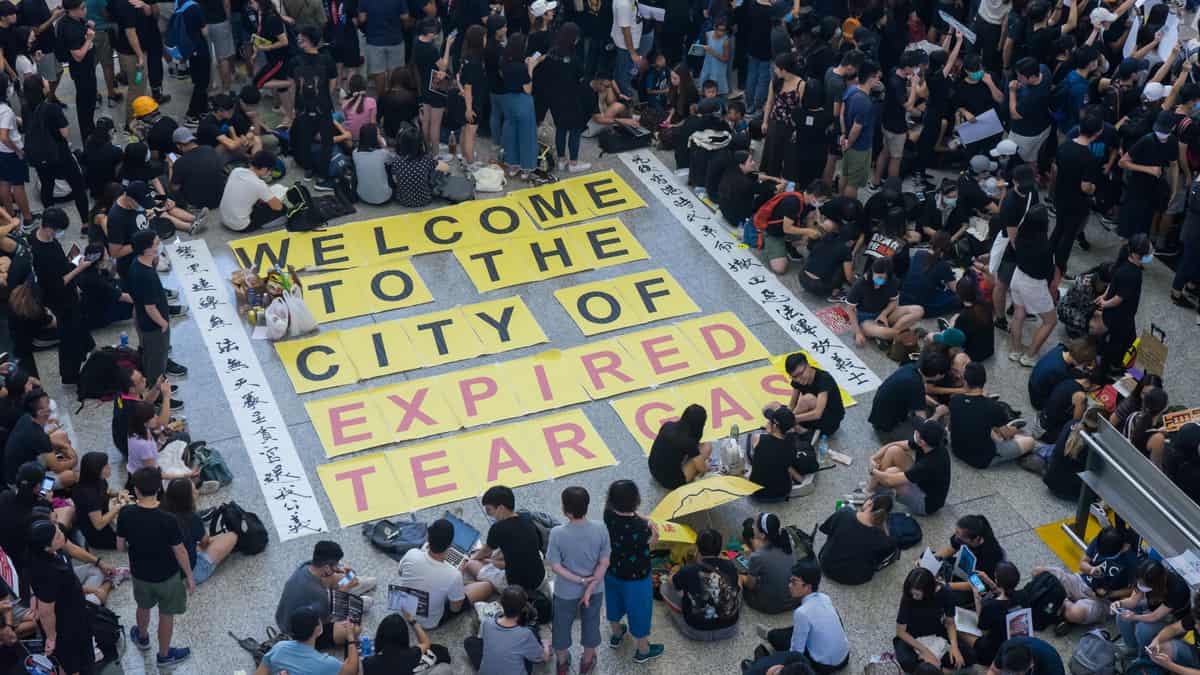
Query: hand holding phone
point(977, 583)
point(47, 485)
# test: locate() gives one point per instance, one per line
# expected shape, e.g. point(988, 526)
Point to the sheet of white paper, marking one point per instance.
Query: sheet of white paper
point(1170, 36)
point(955, 24)
point(1131, 39)
point(280, 191)
point(1187, 564)
point(985, 126)
point(966, 621)
point(652, 13)
point(930, 561)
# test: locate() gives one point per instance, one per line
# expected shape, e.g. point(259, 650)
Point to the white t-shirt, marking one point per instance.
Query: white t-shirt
point(25, 66)
point(625, 14)
point(8, 120)
point(242, 191)
point(994, 11)
point(432, 582)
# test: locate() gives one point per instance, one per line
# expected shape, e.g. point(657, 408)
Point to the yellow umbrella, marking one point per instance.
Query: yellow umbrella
point(674, 533)
point(703, 495)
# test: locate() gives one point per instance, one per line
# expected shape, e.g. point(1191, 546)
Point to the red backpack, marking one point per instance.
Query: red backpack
point(762, 219)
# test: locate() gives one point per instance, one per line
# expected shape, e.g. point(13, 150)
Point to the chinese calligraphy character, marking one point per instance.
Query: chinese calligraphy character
point(202, 284)
point(226, 345)
point(756, 280)
point(215, 322)
point(233, 365)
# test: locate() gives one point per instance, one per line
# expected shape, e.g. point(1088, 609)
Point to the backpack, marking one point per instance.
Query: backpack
point(454, 189)
point(704, 148)
point(543, 522)
point(259, 649)
point(211, 464)
point(1044, 594)
point(489, 179)
point(177, 41)
point(619, 138)
point(905, 529)
point(717, 599)
point(803, 543)
point(106, 631)
point(100, 376)
point(298, 204)
point(229, 517)
point(395, 538)
point(345, 179)
point(1095, 654)
point(308, 82)
point(762, 217)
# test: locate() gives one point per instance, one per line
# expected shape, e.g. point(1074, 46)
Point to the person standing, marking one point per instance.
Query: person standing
point(1029, 288)
point(97, 15)
point(1119, 305)
point(578, 553)
point(78, 41)
point(150, 305)
point(60, 608)
point(757, 37)
point(162, 574)
point(626, 36)
point(858, 129)
point(57, 277)
point(130, 53)
point(628, 586)
point(382, 22)
point(200, 61)
point(1078, 172)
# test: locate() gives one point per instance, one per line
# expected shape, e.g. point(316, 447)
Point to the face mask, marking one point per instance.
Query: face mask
point(1148, 258)
point(975, 76)
point(1142, 588)
point(59, 234)
point(1161, 137)
point(1196, 106)
point(949, 202)
point(879, 281)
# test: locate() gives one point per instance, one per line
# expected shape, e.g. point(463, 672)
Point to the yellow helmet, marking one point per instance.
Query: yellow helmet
point(144, 105)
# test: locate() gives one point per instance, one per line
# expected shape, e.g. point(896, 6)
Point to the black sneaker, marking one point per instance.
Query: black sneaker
point(191, 121)
point(943, 324)
point(172, 294)
point(1183, 301)
point(1168, 250)
point(1001, 323)
point(794, 255)
point(162, 97)
point(176, 370)
point(323, 185)
point(176, 404)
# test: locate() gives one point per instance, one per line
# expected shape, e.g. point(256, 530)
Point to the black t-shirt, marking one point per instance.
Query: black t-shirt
point(72, 33)
point(772, 458)
point(900, 394)
point(425, 57)
point(872, 299)
point(146, 289)
point(312, 73)
point(519, 540)
point(193, 532)
point(1126, 283)
point(894, 116)
point(789, 207)
point(1178, 597)
point(758, 34)
point(975, 98)
point(492, 53)
point(972, 417)
point(826, 256)
point(150, 535)
point(987, 556)
point(1075, 164)
point(931, 473)
point(1062, 472)
point(473, 75)
point(120, 424)
point(89, 498)
point(16, 512)
point(514, 76)
point(671, 446)
point(1032, 249)
point(393, 662)
point(1059, 408)
point(1148, 150)
point(271, 28)
point(34, 13)
point(124, 17)
point(214, 11)
point(395, 109)
point(688, 580)
point(51, 265)
point(1033, 104)
point(852, 551)
point(54, 120)
point(981, 335)
point(52, 580)
point(835, 410)
point(123, 223)
point(928, 616)
point(158, 138)
point(26, 441)
point(100, 164)
point(200, 175)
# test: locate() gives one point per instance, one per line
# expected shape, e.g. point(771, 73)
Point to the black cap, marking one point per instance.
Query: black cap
point(30, 474)
point(303, 622)
point(1165, 123)
point(932, 432)
point(913, 58)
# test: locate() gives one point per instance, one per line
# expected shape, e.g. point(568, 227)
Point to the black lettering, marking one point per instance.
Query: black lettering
point(432, 236)
point(614, 307)
point(485, 218)
point(562, 205)
point(598, 244)
point(377, 285)
point(326, 289)
point(321, 250)
point(595, 191)
point(381, 245)
point(439, 335)
point(264, 250)
point(306, 372)
point(381, 356)
point(647, 295)
point(501, 325)
point(488, 258)
point(559, 251)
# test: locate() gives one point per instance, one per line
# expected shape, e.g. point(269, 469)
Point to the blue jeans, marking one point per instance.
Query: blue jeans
point(623, 71)
point(497, 117)
point(1137, 634)
point(758, 80)
point(567, 138)
point(520, 131)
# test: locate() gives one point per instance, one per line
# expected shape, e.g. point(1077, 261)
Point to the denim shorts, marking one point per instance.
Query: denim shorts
point(203, 569)
point(632, 598)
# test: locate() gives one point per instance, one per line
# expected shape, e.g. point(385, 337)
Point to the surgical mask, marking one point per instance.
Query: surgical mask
point(975, 76)
point(1148, 258)
point(1161, 136)
point(1143, 588)
point(1196, 106)
point(879, 281)
point(59, 234)
point(949, 202)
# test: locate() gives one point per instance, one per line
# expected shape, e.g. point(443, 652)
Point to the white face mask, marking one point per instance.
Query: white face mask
point(1142, 588)
point(1161, 136)
point(59, 234)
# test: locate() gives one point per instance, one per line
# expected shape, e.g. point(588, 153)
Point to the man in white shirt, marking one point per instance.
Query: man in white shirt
point(989, 27)
point(248, 202)
point(436, 584)
point(816, 632)
point(626, 35)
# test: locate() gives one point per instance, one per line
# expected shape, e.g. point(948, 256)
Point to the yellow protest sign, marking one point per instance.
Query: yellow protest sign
point(643, 414)
point(725, 401)
point(629, 300)
point(480, 395)
point(364, 290)
point(570, 442)
point(442, 337)
point(724, 339)
point(503, 455)
point(433, 473)
point(604, 243)
point(552, 205)
point(607, 369)
point(362, 489)
point(503, 325)
point(669, 355)
point(604, 193)
point(379, 349)
point(316, 362)
point(415, 409)
point(348, 423)
point(543, 382)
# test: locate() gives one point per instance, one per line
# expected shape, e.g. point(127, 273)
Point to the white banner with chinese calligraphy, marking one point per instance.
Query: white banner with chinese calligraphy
point(289, 496)
point(809, 332)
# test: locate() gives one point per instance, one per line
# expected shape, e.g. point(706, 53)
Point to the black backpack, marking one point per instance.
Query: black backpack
point(905, 529)
point(1044, 594)
point(108, 632)
point(309, 84)
point(302, 216)
point(100, 376)
point(395, 538)
point(620, 139)
point(229, 517)
point(344, 176)
point(41, 148)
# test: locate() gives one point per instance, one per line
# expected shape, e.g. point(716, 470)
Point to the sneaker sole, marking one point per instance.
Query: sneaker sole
point(644, 659)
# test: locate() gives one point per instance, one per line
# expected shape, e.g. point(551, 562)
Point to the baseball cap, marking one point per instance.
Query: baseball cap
point(991, 187)
point(28, 475)
point(708, 106)
point(1004, 148)
point(932, 432)
point(303, 622)
point(141, 193)
point(914, 57)
point(1165, 123)
point(981, 164)
point(1154, 91)
point(1101, 15)
point(540, 7)
point(1130, 66)
point(951, 337)
point(183, 135)
point(782, 417)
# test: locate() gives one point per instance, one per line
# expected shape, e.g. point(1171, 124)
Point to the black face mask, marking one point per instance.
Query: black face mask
point(913, 444)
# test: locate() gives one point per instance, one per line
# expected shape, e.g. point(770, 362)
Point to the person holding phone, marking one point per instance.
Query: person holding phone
point(303, 654)
point(396, 653)
point(992, 607)
point(1160, 598)
point(974, 532)
point(57, 276)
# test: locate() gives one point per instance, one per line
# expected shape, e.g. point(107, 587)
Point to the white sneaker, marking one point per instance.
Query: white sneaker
point(1027, 361)
point(1015, 357)
point(578, 167)
point(164, 263)
point(563, 165)
point(365, 585)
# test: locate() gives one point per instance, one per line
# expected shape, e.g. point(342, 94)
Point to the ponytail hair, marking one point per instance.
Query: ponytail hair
point(772, 529)
point(977, 526)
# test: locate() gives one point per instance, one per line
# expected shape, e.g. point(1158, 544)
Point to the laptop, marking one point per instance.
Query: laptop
point(466, 539)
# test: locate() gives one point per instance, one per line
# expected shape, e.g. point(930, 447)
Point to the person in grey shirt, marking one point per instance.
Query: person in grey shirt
point(309, 587)
point(509, 645)
point(765, 583)
point(370, 166)
point(578, 554)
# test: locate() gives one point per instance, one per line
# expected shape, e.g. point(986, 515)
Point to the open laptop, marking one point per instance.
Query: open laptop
point(466, 539)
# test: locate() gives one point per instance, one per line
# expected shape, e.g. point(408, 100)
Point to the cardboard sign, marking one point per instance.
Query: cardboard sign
point(364, 290)
point(317, 362)
point(621, 302)
point(348, 423)
point(577, 199)
point(349, 483)
point(1152, 352)
point(549, 254)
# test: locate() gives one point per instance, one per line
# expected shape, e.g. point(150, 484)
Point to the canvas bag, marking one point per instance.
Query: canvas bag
point(1000, 244)
point(489, 178)
point(300, 318)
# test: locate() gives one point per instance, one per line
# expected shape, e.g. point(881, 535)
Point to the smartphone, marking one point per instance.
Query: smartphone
point(47, 485)
point(742, 563)
point(347, 579)
point(453, 34)
point(535, 56)
point(977, 583)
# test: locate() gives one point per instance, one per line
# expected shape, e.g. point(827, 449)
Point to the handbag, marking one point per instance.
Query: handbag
point(300, 317)
point(277, 319)
point(1000, 243)
point(454, 189)
point(489, 179)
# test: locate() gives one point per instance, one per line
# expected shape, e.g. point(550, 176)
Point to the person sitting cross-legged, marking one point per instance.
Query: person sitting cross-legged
point(248, 202)
point(300, 655)
point(874, 307)
point(704, 596)
point(816, 631)
point(919, 482)
point(980, 432)
point(677, 456)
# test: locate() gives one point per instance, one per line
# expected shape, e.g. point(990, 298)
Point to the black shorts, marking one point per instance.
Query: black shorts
point(276, 70)
point(325, 640)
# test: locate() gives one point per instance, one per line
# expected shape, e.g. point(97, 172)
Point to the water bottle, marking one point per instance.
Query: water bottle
point(822, 449)
point(124, 339)
point(453, 144)
point(137, 76)
point(365, 648)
